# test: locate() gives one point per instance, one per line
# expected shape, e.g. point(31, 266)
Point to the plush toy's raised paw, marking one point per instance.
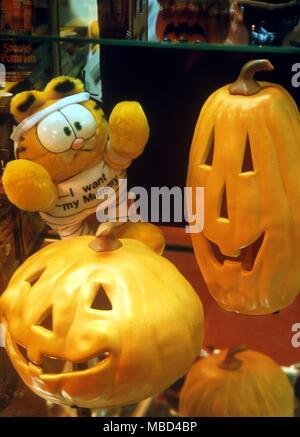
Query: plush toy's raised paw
point(128, 130)
point(28, 185)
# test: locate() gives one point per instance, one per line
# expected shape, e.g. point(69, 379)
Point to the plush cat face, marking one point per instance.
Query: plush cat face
point(67, 140)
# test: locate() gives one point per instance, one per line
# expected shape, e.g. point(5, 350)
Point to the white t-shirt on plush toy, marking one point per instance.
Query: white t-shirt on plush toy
point(77, 199)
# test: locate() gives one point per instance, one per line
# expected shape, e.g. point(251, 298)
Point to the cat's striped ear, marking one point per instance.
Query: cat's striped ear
point(63, 86)
point(26, 103)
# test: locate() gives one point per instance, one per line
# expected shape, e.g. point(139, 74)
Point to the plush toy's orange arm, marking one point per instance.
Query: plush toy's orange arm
point(128, 132)
point(29, 186)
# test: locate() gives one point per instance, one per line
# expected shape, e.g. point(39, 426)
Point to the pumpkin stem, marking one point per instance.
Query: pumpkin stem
point(230, 362)
point(246, 85)
point(105, 239)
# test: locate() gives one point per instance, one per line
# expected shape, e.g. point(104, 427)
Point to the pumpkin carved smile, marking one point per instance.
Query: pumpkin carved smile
point(55, 365)
point(246, 256)
point(184, 30)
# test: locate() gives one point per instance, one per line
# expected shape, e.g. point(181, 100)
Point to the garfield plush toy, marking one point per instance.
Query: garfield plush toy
point(64, 156)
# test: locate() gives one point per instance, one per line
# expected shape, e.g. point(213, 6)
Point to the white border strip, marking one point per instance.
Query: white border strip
point(2, 335)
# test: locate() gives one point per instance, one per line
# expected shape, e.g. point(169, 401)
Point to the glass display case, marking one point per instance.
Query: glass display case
point(170, 56)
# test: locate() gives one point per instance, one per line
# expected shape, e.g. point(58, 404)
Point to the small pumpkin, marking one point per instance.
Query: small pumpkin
point(245, 153)
point(224, 385)
point(100, 322)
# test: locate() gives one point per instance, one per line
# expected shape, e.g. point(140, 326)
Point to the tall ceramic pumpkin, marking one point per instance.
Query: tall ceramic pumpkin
point(246, 153)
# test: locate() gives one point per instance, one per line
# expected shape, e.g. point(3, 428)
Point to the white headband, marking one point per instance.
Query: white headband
point(33, 119)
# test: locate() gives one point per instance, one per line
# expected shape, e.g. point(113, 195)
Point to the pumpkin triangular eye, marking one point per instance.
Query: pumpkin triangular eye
point(34, 277)
point(22, 351)
point(46, 321)
point(247, 161)
point(101, 300)
point(224, 207)
point(209, 153)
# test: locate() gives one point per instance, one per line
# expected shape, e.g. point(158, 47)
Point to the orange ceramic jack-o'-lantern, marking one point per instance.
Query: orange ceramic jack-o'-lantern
point(225, 385)
point(105, 328)
point(246, 153)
